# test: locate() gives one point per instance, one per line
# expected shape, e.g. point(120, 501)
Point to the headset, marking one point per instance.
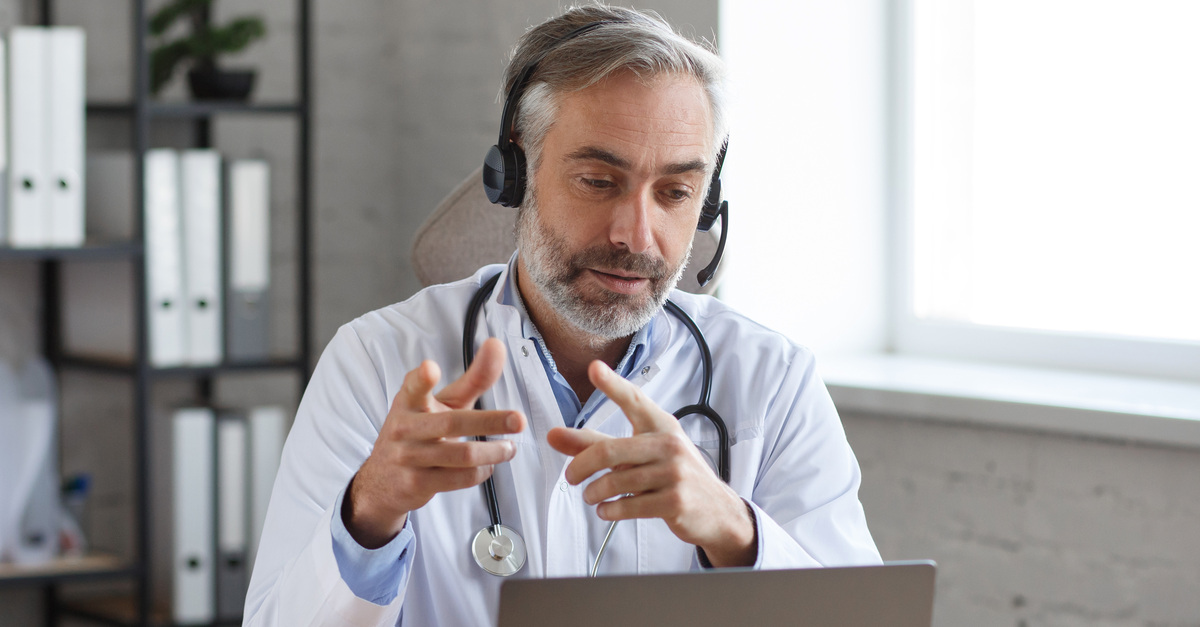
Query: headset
point(504, 175)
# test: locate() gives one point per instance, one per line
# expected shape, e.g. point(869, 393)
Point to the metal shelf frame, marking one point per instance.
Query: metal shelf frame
point(141, 111)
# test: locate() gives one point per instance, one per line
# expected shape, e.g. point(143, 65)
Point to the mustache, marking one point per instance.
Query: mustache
point(641, 264)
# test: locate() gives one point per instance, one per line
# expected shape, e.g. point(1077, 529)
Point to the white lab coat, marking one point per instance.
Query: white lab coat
point(790, 459)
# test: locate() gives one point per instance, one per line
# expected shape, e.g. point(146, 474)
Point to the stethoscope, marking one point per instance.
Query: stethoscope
point(500, 549)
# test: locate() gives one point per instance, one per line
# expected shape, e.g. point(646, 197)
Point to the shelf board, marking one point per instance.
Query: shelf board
point(195, 110)
point(117, 365)
point(94, 566)
point(122, 610)
point(104, 365)
point(89, 251)
point(237, 366)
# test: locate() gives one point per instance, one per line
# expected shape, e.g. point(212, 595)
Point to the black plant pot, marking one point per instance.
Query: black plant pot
point(211, 84)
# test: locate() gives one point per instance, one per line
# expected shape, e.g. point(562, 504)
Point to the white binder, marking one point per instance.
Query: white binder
point(249, 260)
point(232, 572)
point(267, 433)
point(47, 132)
point(165, 311)
point(200, 187)
point(64, 102)
point(29, 185)
point(193, 593)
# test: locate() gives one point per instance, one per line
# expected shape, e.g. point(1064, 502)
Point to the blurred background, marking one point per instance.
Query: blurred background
point(981, 215)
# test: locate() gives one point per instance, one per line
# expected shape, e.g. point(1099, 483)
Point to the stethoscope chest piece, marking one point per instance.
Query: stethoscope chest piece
point(499, 550)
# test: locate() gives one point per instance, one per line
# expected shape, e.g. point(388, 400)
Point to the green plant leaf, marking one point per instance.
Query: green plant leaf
point(166, 16)
point(164, 60)
point(236, 35)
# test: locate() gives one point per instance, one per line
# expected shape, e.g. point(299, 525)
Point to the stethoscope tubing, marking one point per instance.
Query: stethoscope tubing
point(701, 408)
point(489, 486)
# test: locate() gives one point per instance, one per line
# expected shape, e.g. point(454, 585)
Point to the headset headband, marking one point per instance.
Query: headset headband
point(518, 87)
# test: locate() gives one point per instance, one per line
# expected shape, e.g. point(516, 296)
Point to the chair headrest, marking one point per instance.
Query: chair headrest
point(466, 232)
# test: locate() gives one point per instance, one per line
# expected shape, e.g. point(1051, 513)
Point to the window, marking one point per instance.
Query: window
point(1001, 180)
point(1050, 160)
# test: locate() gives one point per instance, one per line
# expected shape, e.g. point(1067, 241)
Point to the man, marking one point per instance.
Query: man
point(577, 366)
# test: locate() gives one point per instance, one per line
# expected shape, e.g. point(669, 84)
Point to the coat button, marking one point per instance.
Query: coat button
point(562, 485)
point(645, 371)
point(525, 351)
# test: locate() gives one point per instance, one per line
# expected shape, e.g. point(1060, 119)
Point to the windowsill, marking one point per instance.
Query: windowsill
point(1123, 408)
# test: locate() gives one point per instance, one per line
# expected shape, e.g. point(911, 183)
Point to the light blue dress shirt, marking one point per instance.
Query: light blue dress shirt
point(375, 574)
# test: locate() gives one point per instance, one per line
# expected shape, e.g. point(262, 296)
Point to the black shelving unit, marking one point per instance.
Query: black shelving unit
point(142, 111)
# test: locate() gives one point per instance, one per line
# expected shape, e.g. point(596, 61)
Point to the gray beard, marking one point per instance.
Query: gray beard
point(557, 273)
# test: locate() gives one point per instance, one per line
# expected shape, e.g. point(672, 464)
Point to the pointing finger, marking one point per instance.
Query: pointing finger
point(642, 413)
point(485, 370)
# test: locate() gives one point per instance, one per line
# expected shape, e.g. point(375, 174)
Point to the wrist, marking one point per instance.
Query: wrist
point(368, 527)
point(738, 544)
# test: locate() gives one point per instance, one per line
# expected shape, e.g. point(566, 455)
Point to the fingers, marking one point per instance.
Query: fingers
point(485, 370)
point(660, 504)
point(571, 442)
point(457, 423)
point(632, 480)
point(416, 392)
point(642, 413)
point(437, 480)
point(615, 452)
point(458, 454)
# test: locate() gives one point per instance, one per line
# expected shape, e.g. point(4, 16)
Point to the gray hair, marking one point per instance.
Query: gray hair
point(639, 42)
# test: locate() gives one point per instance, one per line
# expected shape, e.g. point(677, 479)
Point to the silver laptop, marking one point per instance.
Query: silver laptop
point(898, 594)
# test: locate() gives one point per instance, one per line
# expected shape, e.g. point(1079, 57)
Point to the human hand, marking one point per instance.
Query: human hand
point(663, 473)
point(418, 452)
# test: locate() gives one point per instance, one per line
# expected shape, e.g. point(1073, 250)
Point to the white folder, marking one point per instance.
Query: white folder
point(193, 594)
point(200, 189)
point(36, 509)
point(232, 572)
point(165, 311)
point(249, 259)
point(64, 102)
point(268, 430)
point(29, 185)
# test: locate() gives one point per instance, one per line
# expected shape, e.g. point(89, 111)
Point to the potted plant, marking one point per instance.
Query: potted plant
point(202, 45)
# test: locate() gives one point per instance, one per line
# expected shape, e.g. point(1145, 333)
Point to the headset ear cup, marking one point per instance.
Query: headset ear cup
point(519, 178)
point(504, 175)
point(712, 206)
point(495, 174)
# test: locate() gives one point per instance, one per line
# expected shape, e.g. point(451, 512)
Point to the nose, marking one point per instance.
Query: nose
point(631, 221)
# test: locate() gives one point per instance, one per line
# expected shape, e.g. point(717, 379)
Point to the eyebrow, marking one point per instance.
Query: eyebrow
point(591, 153)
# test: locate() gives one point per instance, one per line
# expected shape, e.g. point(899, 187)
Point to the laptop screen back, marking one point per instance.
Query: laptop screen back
point(897, 595)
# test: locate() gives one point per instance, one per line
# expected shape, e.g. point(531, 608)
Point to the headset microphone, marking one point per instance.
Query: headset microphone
point(710, 270)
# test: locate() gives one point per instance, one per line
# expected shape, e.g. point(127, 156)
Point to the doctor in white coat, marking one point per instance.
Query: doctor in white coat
point(577, 368)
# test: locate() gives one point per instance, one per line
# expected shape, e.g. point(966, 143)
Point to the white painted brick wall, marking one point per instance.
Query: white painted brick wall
point(1033, 529)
